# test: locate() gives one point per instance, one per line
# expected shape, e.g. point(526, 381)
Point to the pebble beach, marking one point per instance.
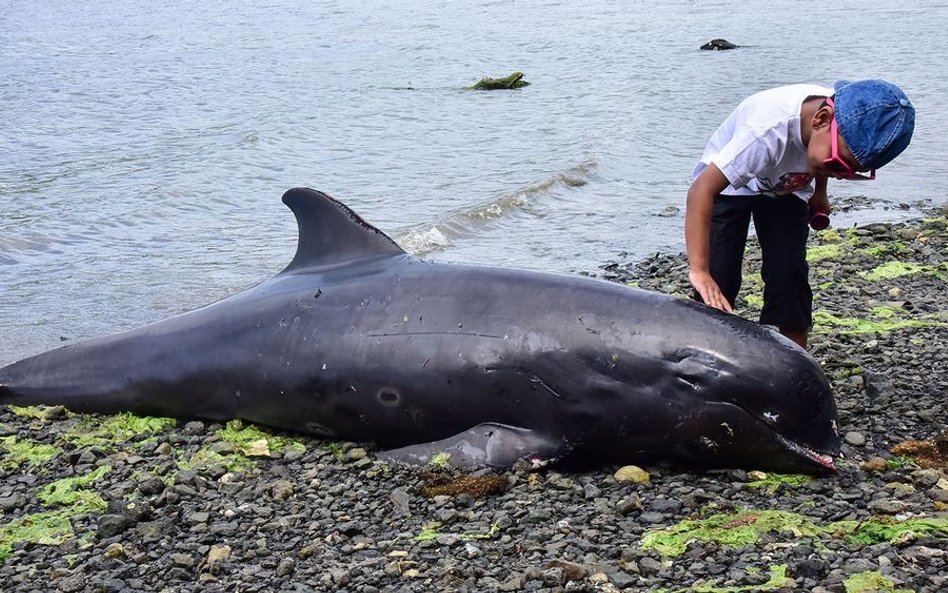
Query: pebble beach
point(124, 504)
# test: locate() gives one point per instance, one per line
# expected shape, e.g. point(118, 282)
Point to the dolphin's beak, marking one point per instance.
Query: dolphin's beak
point(821, 460)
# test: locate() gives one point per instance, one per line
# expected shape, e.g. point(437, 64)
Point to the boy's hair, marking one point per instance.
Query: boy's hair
point(875, 118)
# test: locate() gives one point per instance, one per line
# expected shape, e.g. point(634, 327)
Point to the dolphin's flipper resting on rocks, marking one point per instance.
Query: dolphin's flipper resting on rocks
point(488, 444)
point(357, 340)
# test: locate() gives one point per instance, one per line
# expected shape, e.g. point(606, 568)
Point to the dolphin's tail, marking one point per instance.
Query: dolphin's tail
point(67, 376)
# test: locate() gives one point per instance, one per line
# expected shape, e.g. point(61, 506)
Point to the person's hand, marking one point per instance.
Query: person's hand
point(710, 292)
point(820, 203)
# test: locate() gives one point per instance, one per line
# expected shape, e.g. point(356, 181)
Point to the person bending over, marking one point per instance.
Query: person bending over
point(770, 161)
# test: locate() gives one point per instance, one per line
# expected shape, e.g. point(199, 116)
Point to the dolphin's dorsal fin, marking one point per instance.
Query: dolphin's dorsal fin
point(331, 234)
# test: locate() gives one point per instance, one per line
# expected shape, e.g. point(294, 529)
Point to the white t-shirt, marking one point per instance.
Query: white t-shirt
point(759, 148)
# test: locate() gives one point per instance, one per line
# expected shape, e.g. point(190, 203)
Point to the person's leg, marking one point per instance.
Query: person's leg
point(782, 231)
point(730, 220)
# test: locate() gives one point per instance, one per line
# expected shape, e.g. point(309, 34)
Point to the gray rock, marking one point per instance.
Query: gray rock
point(886, 506)
point(12, 502)
point(652, 517)
point(224, 528)
point(111, 525)
point(182, 560)
point(151, 485)
point(553, 576)
point(287, 566)
point(194, 427)
point(855, 439)
point(650, 567)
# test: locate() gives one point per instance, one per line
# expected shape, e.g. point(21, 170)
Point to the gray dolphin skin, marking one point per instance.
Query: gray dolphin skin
point(358, 340)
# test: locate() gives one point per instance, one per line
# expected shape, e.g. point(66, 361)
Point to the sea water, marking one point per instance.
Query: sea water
point(144, 148)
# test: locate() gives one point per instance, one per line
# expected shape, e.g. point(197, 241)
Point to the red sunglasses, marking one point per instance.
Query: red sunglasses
point(835, 165)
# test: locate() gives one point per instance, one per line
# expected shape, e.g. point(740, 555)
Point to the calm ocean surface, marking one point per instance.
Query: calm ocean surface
point(144, 150)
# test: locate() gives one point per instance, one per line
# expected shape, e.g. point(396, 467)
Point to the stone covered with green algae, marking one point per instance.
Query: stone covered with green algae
point(107, 432)
point(18, 452)
point(50, 528)
point(887, 320)
point(54, 527)
point(778, 580)
point(773, 482)
point(871, 582)
point(732, 529)
point(745, 527)
point(72, 492)
point(243, 436)
point(512, 81)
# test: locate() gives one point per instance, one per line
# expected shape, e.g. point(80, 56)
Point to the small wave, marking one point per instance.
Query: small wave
point(426, 239)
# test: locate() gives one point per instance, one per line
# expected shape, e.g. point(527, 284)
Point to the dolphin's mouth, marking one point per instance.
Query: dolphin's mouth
point(823, 460)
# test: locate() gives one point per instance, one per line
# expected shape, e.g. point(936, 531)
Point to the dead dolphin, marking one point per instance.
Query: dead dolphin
point(358, 340)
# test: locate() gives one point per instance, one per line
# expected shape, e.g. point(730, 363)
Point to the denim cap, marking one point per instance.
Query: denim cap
point(875, 118)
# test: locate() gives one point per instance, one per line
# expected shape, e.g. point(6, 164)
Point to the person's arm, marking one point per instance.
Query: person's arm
point(709, 184)
point(819, 202)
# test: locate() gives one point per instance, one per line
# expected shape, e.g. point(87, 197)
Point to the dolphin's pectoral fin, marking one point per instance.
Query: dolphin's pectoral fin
point(494, 445)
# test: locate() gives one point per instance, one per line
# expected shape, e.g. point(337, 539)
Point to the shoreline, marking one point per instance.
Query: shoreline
point(199, 506)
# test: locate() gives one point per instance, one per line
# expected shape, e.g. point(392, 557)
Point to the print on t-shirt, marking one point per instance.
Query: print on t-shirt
point(788, 183)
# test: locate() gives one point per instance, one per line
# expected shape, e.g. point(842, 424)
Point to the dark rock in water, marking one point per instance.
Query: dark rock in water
point(718, 45)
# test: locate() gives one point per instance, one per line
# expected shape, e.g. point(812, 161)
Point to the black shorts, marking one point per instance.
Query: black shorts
point(782, 231)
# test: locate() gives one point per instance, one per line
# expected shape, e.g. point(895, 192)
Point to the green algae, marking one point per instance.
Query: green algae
point(830, 236)
point(512, 81)
point(847, 372)
point(746, 527)
point(25, 451)
point(71, 492)
point(893, 269)
point(889, 322)
point(107, 432)
point(940, 271)
point(754, 301)
point(852, 237)
point(888, 530)
point(441, 459)
point(38, 412)
point(232, 462)
point(824, 252)
point(733, 529)
point(247, 438)
point(898, 462)
point(249, 441)
point(54, 527)
point(50, 528)
point(753, 279)
point(429, 531)
point(871, 582)
point(335, 449)
point(773, 482)
point(778, 580)
point(893, 248)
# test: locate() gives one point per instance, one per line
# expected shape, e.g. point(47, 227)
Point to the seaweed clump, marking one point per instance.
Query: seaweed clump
point(453, 485)
point(931, 453)
point(514, 81)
